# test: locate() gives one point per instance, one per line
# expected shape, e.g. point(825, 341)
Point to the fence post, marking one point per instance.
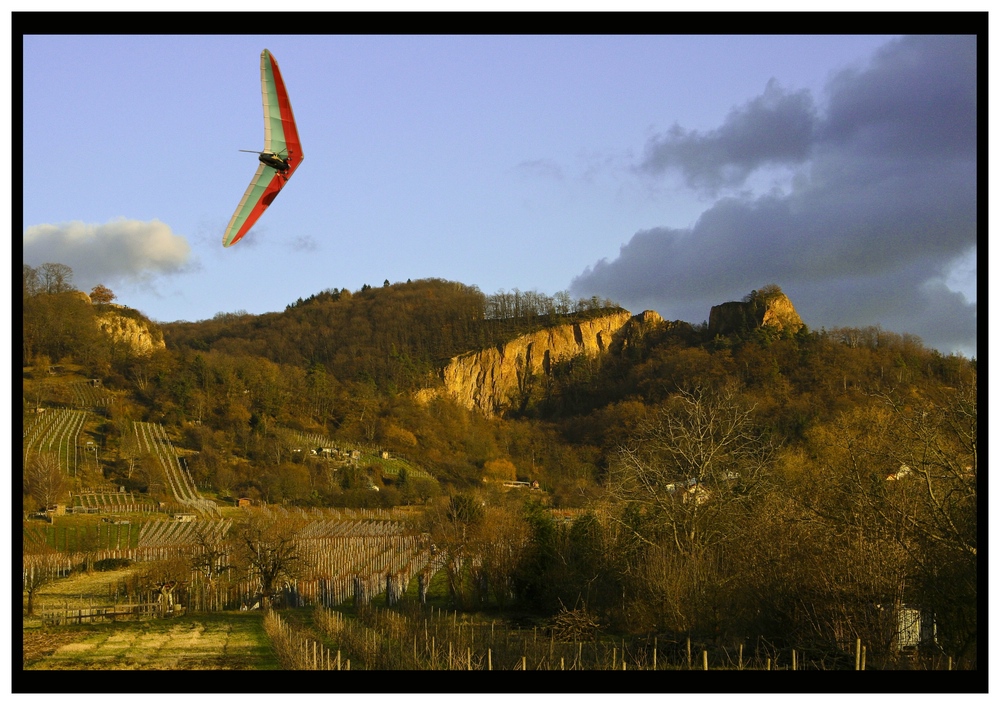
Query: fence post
point(704, 659)
point(857, 655)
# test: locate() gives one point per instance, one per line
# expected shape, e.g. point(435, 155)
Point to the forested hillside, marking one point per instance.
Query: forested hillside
point(793, 485)
point(394, 336)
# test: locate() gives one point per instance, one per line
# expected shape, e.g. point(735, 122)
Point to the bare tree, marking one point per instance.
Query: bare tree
point(699, 453)
point(211, 554)
point(56, 278)
point(504, 537)
point(31, 281)
point(44, 480)
point(35, 577)
point(454, 526)
point(266, 547)
point(690, 475)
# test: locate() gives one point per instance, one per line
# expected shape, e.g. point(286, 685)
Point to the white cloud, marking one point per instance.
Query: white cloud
point(121, 251)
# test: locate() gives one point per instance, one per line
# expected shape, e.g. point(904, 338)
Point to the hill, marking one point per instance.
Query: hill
point(752, 479)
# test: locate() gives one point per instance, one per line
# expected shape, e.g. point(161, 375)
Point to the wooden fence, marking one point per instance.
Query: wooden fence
point(106, 613)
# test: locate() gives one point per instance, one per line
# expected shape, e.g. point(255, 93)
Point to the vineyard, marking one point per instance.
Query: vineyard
point(341, 560)
point(56, 431)
point(88, 396)
point(432, 639)
point(153, 440)
point(109, 500)
point(343, 556)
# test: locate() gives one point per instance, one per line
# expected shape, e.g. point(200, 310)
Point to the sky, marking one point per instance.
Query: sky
point(663, 172)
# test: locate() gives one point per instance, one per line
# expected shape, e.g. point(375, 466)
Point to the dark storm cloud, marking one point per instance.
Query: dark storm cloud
point(918, 98)
point(884, 201)
point(775, 127)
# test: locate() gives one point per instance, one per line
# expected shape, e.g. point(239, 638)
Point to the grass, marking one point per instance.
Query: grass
point(217, 641)
point(78, 591)
point(221, 640)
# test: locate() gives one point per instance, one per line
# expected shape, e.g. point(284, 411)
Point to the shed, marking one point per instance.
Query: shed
point(244, 502)
point(184, 516)
point(915, 627)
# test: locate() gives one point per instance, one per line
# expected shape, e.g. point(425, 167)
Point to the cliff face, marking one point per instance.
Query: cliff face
point(741, 316)
point(487, 379)
point(128, 331)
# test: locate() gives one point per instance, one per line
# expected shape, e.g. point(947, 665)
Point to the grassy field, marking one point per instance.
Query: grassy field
point(220, 641)
point(230, 640)
point(78, 591)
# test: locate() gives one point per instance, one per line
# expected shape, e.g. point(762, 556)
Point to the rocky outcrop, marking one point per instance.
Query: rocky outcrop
point(135, 333)
point(771, 310)
point(487, 380)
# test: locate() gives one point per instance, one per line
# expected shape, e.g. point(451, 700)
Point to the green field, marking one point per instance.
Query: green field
point(73, 534)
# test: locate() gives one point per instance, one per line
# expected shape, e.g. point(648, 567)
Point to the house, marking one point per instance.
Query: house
point(244, 502)
point(185, 517)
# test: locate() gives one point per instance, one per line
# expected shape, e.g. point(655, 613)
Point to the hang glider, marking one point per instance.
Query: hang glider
point(280, 157)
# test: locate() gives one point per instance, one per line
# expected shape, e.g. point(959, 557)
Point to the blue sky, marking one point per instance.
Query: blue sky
point(663, 172)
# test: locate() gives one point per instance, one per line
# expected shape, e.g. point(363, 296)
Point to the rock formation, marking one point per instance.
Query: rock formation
point(135, 333)
point(768, 308)
point(487, 379)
